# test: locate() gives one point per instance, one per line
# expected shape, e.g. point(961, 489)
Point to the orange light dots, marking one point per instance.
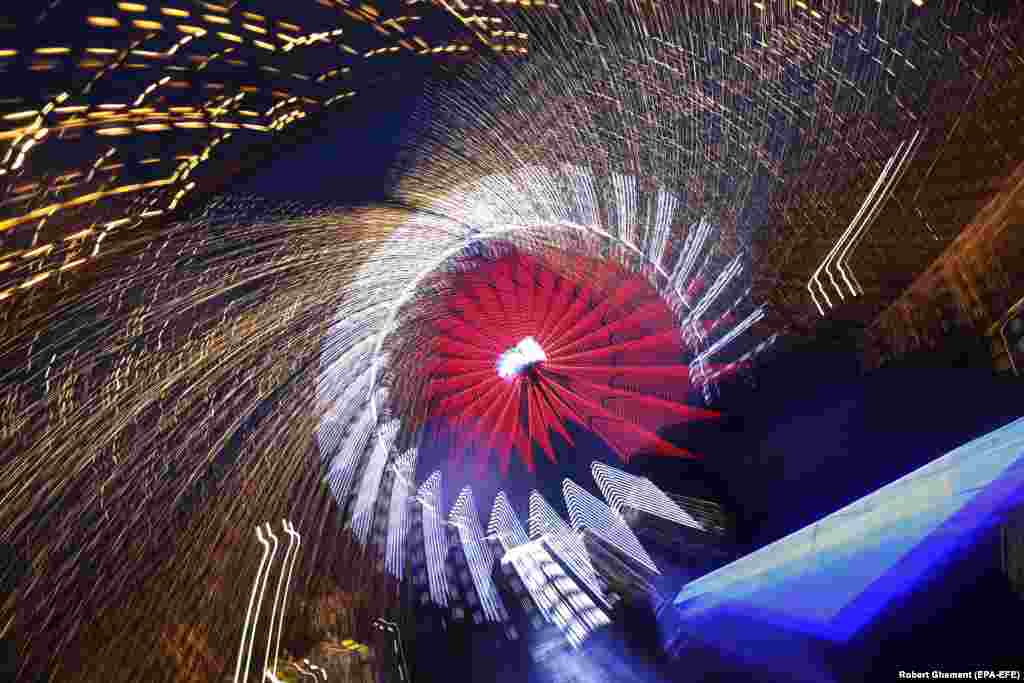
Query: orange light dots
point(103, 22)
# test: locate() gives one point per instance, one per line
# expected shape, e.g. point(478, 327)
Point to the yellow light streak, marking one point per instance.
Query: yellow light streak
point(35, 280)
point(39, 251)
point(81, 234)
point(79, 201)
point(18, 116)
point(103, 22)
point(120, 130)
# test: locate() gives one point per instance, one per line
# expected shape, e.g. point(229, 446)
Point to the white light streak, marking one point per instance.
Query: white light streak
point(622, 490)
point(259, 601)
point(564, 542)
point(891, 174)
point(557, 596)
point(661, 225)
point(288, 582)
point(587, 512)
point(478, 555)
point(398, 512)
point(435, 538)
point(692, 247)
point(277, 596)
point(248, 614)
point(348, 451)
point(901, 168)
point(697, 364)
point(625, 202)
point(505, 525)
point(734, 268)
point(370, 484)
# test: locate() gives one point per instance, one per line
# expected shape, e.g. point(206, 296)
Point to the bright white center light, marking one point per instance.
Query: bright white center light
point(520, 357)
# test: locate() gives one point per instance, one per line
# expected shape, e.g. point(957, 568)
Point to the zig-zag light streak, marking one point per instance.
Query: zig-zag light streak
point(909, 151)
point(890, 176)
point(587, 512)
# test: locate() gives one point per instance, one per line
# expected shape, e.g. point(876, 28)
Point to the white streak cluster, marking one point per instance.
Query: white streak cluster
point(558, 596)
point(478, 555)
point(564, 542)
point(587, 512)
point(880, 192)
point(398, 512)
point(623, 490)
point(435, 538)
point(370, 482)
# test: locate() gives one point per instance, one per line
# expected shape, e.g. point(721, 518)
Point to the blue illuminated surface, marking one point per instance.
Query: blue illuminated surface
point(831, 578)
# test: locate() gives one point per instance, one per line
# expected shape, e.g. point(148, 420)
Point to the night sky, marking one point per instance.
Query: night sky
point(352, 163)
